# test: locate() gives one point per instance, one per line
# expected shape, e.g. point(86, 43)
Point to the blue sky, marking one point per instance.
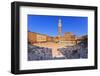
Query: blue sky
point(49, 24)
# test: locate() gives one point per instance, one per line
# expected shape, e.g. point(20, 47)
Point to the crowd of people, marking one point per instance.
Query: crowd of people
point(75, 52)
point(39, 53)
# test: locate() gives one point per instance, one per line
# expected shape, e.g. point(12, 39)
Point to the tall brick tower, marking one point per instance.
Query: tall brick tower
point(59, 28)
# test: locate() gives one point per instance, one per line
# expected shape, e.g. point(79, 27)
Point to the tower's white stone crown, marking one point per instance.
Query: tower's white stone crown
point(59, 24)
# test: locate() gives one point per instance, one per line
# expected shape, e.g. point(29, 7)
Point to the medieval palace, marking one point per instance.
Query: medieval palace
point(68, 38)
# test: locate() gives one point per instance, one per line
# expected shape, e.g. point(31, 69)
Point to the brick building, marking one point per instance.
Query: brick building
point(68, 37)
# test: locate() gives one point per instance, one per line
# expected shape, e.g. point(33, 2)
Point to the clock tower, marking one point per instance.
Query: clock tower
point(59, 28)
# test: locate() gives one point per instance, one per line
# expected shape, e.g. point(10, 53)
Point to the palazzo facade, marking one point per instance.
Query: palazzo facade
point(68, 37)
